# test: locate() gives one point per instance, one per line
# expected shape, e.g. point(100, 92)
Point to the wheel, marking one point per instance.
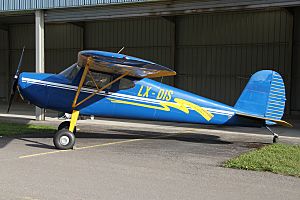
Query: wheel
point(64, 139)
point(65, 125)
point(275, 139)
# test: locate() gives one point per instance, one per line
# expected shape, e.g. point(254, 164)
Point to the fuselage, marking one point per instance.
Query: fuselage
point(146, 99)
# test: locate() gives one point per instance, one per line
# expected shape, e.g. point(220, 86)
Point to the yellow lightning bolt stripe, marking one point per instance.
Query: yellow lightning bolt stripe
point(183, 103)
point(179, 104)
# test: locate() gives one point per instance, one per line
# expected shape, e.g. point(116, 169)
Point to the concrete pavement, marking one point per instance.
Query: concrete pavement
point(129, 160)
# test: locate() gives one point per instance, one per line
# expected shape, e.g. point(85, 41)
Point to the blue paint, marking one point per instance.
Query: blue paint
point(104, 54)
point(57, 92)
point(263, 96)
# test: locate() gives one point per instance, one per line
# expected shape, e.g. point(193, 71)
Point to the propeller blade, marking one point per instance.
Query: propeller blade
point(10, 102)
point(20, 63)
point(13, 93)
point(15, 83)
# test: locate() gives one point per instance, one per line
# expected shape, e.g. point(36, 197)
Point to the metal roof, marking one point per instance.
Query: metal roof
point(161, 8)
point(30, 5)
point(21, 5)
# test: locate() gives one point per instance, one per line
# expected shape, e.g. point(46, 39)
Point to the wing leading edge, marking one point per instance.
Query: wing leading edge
point(116, 63)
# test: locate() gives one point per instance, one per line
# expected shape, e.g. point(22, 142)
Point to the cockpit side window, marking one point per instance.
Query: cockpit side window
point(102, 79)
point(71, 72)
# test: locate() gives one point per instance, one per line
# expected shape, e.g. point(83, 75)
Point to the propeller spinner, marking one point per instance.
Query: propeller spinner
point(15, 81)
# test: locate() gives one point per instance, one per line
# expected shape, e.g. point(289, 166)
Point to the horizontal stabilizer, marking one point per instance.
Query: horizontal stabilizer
point(280, 122)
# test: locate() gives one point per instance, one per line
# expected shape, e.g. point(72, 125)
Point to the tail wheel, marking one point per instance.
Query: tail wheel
point(275, 138)
point(64, 139)
point(65, 125)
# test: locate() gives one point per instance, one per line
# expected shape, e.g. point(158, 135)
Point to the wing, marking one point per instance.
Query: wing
point(116, 63)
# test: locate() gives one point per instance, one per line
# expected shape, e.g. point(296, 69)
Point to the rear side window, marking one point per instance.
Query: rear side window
point(125, 83)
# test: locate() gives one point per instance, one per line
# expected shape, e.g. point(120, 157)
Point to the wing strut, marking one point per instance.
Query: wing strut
point(86, 71)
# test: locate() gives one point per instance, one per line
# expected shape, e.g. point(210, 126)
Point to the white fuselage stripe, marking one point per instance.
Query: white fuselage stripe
point(110, 94)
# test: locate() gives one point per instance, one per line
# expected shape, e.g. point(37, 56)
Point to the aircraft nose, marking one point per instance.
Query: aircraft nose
point(21, 84)
point(30, 88)
point(27, 80)
point(33, 87)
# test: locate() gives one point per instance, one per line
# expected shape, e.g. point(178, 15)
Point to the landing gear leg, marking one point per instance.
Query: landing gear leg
point(64, 138)
point(275, 135)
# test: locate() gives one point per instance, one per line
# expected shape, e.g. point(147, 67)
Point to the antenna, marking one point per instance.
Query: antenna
point(162, 78)
point(121, 49)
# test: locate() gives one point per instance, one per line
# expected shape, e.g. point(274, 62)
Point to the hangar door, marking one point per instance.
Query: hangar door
point(62, 43)
point(4, 64)
point(295, 105)
point(216, 53)
point(147, 38)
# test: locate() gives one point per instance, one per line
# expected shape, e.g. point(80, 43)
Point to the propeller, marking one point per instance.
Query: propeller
point(15, 82)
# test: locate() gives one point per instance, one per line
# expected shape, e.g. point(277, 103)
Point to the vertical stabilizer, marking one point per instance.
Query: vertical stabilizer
point(263, 96)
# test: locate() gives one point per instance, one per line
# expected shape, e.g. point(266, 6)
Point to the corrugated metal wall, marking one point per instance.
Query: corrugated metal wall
point(62, 43)
point(148, 38)
point(21, 35)
point(217, 52)
point(295, 97)
point(4, 64)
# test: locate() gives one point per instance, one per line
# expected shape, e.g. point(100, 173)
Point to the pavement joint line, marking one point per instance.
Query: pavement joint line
point(97, 145)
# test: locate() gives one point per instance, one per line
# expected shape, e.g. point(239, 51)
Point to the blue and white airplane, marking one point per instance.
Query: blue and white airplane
point(116, 85)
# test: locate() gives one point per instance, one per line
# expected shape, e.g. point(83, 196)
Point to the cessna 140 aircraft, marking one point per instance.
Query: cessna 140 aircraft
point(116, 85)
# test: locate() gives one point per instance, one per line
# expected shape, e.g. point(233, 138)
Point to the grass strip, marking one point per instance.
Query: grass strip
point(9, 129)
point(277, 158)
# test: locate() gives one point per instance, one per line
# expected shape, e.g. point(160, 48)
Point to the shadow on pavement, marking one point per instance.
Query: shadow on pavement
point(37, 144)
point(31, 139)
point(121, 134)
point(186, 137)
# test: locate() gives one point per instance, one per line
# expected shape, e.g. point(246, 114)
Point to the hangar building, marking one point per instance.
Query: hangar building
point(214, 45)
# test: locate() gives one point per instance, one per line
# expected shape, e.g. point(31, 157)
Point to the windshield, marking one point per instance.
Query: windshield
point(71, 72)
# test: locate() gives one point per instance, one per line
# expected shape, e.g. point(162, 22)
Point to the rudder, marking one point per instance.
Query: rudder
point(276, 101)
point(263, 96)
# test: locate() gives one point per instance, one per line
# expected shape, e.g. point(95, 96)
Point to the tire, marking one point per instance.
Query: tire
point(66, 125)
point(64, 139)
